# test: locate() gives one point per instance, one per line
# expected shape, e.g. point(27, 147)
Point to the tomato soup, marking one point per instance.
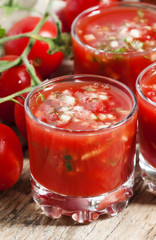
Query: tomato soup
point(81, 134)
point(147, 115)
point(118, 41)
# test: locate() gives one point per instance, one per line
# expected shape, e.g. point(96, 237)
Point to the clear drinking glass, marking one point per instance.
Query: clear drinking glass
point(146, 94)
point(81, 137)
point(117, 41)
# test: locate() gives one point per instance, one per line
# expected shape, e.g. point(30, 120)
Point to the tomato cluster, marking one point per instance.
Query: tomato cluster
point(18, 78)
point(44, 63)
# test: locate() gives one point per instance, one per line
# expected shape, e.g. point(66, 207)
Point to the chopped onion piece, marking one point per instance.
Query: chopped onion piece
point(124, 138)
point(110, 116)
point(135, 33)
point(65, 117)
point(103, 97)
point(78, 108)
point(89, 37)
point(114, 44)
point(102, 116)
point(69, 99)
point(93, 116)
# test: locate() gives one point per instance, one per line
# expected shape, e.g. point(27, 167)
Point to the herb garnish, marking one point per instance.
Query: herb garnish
point(140, 13)
point(56, 94)
point(146, 57)
point(68, 159)
point(40, 97)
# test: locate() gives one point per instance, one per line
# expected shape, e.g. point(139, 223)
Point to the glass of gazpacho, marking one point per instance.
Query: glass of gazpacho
point(81, 137)
point(146, 94)
point(117, 41)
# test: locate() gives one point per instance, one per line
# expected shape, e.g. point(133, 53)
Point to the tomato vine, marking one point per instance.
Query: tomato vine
point(62, 42)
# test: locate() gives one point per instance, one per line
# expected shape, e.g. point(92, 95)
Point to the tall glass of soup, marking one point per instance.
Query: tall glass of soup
point(81, 138)
point(117, 41)
point(146, 94)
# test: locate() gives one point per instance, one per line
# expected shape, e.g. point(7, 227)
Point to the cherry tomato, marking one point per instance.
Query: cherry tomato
point(74, 7)
point(43, 62)
point(11, 157)
point(11, 81)
point(19, 114)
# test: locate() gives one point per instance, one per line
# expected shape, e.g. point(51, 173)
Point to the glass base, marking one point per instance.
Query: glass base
point(148, 173)
point(82, 209)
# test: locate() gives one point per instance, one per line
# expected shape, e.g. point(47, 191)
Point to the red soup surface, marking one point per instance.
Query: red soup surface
point(77, 147)
point(117, 41)
point(147, 118)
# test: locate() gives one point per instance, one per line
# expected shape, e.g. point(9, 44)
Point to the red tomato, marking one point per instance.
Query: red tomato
point(74, 7)
point(19, 114)
point(11, 81)
point(43, 62)
point(11, 157)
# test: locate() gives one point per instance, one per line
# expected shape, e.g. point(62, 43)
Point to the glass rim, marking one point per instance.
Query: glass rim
point(146, 6)
point(138, 83)
point(79, 77)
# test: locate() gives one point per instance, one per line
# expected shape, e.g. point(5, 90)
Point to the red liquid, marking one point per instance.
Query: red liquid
point(147, 119)
point(81, 163)
point(114, 42)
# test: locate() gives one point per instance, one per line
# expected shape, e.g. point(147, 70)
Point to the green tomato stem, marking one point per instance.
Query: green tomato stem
point(15, 101)
point(31, 71)
point(55, 44)
point(5, 65)
point(14, 37)
point(14, 95)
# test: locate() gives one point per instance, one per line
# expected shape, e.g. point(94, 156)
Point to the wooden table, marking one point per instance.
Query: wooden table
point(21, 218)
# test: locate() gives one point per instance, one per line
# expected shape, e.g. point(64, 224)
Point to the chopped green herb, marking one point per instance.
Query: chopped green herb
point(68, 166)
point(51, 112)
point(96, 59)
point(140, 13)
point(40, 97)
point(147, 57)
point(56, 94)
point(90, 89)
point(137, 44)
point(112, 162)
point(119, 50)
point(68, 159)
